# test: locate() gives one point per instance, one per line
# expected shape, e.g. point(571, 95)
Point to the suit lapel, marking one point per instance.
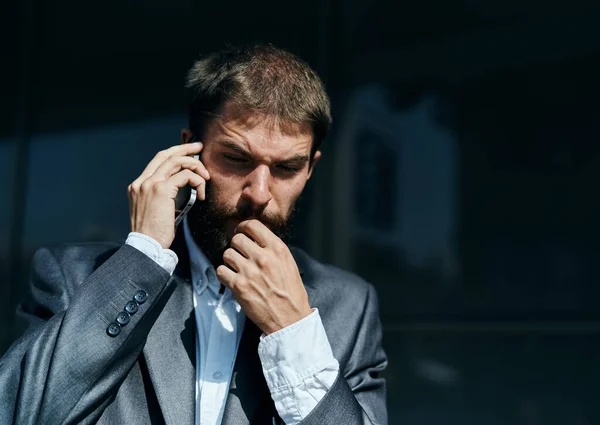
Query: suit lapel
point(170, 350)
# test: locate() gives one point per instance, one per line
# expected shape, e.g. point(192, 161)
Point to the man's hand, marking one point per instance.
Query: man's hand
point(264, 278)
point(152, 194)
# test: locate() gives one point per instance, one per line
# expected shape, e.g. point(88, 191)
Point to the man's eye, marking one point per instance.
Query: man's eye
point(289, 170)
point(235, 159)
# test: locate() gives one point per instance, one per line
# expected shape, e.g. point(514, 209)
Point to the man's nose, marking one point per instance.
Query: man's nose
point(257, 189)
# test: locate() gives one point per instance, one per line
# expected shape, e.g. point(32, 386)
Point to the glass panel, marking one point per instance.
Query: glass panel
point(489, 210)
point(494, 378)
point(376, 190)
point(78, 180)
point(403, 178)
point(8, 151)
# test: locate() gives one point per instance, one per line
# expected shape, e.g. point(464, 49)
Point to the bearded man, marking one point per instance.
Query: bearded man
point(217, 320)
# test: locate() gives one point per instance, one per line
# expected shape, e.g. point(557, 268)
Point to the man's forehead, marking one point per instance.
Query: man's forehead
point(261, 130)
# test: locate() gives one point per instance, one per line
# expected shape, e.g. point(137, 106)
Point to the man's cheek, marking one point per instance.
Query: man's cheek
point(224, 192)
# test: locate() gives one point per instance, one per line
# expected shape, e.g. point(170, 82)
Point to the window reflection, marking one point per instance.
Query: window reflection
point(78, 179)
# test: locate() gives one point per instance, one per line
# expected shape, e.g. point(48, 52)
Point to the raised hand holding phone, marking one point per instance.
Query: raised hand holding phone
point(185, 199)
point(152, 195)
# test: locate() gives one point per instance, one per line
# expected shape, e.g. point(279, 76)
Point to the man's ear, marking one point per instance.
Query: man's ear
point(186, 136)
point(314, 161)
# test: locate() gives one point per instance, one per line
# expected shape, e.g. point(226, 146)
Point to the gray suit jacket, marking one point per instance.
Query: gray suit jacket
point(66, 369)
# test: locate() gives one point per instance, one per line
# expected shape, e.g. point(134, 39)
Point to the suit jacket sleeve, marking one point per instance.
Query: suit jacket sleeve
point(66, 367)
point(357, 397)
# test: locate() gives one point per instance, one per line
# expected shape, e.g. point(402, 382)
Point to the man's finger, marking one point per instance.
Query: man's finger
point(185, 149)
point(234, 259)
point(246, 246)
point(256, 230)
point(226, 276)
point(176, 163)
point(183, 178)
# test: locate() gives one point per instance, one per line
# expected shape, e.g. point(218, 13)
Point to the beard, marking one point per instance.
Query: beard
point(208, 224)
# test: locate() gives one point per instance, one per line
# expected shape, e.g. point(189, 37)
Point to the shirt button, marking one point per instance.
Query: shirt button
point(140, 296)
point(217, 375)
point(123, 318)
point(210, 275)
point(131, 307)
point(113, 329)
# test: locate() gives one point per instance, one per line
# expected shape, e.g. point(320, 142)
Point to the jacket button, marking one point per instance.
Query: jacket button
point(131, 307)
point(113, 329)
point(123, 318)
point(140, 296)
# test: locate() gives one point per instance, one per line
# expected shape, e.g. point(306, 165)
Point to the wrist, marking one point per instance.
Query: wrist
point(311, 354)
point(165, 258)
point(289, 321)
point(158, 239)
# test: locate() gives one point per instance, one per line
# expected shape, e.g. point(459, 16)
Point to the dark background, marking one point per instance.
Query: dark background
point(460, 178)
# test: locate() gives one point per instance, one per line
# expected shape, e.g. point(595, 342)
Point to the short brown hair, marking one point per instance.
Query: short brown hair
point(258, 78)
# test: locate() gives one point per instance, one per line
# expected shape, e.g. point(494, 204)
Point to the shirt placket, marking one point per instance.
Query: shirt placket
point(202, 303)
point(217, 371)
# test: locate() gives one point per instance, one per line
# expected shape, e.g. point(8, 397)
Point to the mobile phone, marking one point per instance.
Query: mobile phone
point(186, 197)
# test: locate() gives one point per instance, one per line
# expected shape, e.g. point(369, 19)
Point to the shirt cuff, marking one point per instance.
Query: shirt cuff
point(165, 258)
point(299, 367)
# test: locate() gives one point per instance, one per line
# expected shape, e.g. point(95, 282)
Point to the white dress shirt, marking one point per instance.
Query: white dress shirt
point(297, 361)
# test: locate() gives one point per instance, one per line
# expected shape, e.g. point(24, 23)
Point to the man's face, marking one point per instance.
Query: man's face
point(257, 168)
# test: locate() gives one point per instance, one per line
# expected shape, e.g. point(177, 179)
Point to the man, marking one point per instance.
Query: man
point(216, 321)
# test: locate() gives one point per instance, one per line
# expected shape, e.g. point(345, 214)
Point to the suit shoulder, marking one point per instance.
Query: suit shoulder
point(347, 304)
point(71, 253)
point(58, 270)
point(334, 278)
point(76, 260)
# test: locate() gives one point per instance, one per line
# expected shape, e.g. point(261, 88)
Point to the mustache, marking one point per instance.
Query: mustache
point(274, 222)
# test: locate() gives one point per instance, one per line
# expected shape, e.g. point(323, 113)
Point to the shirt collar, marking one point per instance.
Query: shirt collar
point(203, 272)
